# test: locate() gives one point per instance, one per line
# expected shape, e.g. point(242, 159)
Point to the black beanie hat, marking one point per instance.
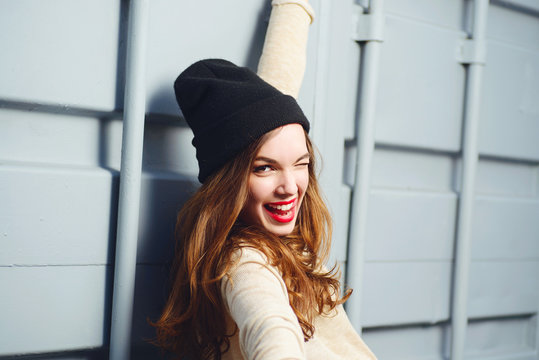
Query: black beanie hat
point(228, 107)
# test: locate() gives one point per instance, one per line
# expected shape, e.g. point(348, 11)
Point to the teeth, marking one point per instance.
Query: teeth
point(282, 207)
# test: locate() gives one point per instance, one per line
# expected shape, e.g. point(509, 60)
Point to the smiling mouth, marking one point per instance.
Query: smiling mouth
point(282, 211)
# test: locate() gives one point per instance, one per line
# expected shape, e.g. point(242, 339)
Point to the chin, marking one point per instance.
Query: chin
point(281, 231)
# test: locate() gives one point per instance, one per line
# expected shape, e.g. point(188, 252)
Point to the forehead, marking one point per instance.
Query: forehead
point(284, 142)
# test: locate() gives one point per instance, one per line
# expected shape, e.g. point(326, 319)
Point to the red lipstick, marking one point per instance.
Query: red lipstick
point(282, 211)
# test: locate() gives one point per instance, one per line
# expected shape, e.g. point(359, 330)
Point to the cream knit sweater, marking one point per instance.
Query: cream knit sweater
point(267, 328)
point(283, 58)
point(254, 292)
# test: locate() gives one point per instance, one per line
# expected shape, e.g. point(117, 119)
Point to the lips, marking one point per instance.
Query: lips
point(282, 211)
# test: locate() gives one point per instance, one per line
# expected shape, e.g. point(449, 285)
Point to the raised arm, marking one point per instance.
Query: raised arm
point(283, 59)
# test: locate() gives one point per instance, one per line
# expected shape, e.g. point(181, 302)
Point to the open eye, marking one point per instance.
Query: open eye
point(263, 168)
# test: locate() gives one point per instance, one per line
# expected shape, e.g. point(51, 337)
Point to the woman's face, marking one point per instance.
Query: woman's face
point(278, 180)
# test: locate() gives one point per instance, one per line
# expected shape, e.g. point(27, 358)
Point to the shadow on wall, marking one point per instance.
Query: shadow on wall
point(257, 40)
point(137, 353)
point(162, 99)
point(162, 198)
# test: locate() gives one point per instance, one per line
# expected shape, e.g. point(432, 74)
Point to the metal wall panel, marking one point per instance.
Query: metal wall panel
point(508, 338)
point(60, 139)
point(514, 26)
point(410, 226)
point(149, 299)
point(500, 339)
point(53, 308)
point(506, 178)
point(511, 86)
point(499, 288)
point(420, 95)
point(60, 52)
point(441, 13)
point(398, 293)
point(409, 342)
point(56, 216)
point(511, 90)
point(506, 229)
point(162, 196)
point(168, 149)
point(399, 168)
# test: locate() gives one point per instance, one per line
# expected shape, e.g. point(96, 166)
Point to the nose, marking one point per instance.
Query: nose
point(287, 184)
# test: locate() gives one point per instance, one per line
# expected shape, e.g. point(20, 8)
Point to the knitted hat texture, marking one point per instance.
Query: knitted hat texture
point(228, 107)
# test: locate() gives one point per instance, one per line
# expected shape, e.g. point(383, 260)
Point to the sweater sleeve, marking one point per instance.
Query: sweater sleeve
point(257, 300)
point(282, 63)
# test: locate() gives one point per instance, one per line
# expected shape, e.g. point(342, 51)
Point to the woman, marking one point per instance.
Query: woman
point(248, 280)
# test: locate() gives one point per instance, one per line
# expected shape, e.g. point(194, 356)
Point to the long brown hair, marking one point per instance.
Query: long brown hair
point(193, 321)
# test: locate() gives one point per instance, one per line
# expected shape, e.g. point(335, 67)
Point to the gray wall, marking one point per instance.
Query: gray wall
point(61, 95)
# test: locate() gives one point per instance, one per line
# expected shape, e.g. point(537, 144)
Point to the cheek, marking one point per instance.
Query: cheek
point(260, 189)
point(303, 181)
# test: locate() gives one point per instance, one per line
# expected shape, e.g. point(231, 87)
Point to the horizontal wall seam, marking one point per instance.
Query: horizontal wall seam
point(52, 265)
point(503, 317)
point(73, 110)
point(74, 265)
point(410, 261)
point(512, 199)
point(450, 260)
point(509, 160)
point(444, 323)
point(17, 166)
point(413, 191)
point(527, 198)
point(519, 355)
point(10, 165)
point(511, 45)
point(513, 6)
point(420, 21)
point(412, 148)
point(506, 260)
point(59, 109)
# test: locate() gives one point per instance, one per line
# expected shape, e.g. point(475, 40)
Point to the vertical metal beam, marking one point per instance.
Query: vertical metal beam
point(130, 180)
point(459, 316)
point(536, 325)
point(365, 148)
point(322, 56)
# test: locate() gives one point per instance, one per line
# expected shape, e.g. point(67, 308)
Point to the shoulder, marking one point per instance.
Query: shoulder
point(247, 257)
point(248, 254)
point(250, 268)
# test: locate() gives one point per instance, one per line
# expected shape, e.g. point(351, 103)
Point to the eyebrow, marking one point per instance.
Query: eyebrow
point(272, 161)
